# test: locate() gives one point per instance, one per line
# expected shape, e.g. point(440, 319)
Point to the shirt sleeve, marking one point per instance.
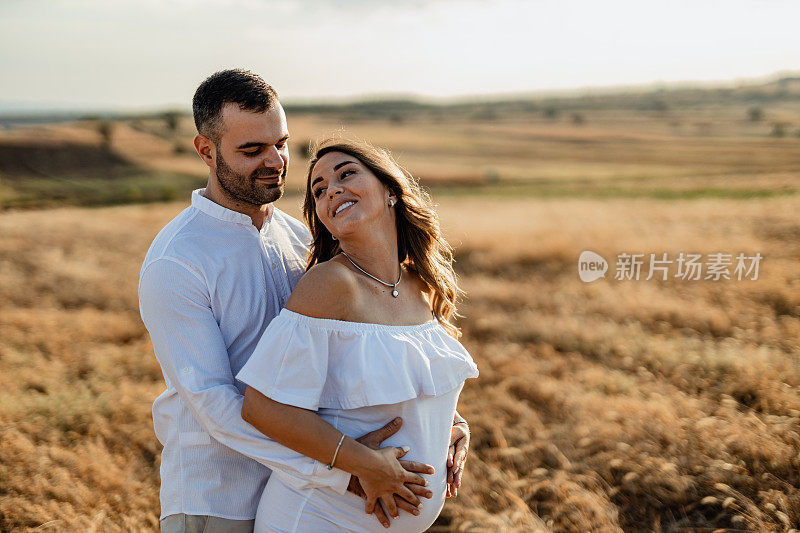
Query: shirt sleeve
point(176, 310)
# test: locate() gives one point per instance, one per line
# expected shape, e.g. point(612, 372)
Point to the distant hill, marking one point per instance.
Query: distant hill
point(736, 141)
point(783, 89)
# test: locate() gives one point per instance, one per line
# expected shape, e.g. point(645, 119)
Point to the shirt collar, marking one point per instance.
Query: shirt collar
point(215, 210)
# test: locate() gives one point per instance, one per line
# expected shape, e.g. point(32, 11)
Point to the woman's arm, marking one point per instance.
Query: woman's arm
point(380, 473)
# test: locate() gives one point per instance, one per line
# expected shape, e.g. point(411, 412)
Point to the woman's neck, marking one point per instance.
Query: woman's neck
point(374, 252)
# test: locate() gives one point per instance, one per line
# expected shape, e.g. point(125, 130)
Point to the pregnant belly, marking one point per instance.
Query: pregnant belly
point(284, 509)
point(427, 422)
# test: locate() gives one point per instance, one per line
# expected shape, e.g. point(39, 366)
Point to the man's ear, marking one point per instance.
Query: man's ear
point(206, 150)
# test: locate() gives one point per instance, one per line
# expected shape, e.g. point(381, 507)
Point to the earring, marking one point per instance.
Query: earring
point(334, 238)
point(391, 202)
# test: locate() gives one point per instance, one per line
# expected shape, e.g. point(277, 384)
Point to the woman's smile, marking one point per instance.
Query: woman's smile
point(344, 207)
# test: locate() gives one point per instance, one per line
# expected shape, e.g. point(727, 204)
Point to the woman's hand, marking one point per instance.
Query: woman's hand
point(456, 457)
point(384, 477)
point(373, 440)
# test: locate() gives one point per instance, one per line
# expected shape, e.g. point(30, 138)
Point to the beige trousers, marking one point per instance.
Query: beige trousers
point(184, 523)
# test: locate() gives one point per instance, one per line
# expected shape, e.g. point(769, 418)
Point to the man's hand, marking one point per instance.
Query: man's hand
point(456, 457)
point(373, 440)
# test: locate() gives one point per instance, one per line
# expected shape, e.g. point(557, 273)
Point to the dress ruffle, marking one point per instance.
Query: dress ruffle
point(322, 363)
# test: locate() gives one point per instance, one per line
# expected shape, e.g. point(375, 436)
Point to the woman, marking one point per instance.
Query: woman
point(365, 337)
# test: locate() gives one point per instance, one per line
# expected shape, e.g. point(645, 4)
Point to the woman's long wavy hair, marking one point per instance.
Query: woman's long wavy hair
point(420, 245)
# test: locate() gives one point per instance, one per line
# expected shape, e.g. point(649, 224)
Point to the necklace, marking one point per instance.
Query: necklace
point(392, 285)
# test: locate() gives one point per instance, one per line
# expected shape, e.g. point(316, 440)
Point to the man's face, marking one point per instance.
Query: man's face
point(252, 154)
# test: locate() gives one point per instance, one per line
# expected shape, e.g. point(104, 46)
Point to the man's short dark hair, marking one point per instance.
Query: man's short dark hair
point(236, 86)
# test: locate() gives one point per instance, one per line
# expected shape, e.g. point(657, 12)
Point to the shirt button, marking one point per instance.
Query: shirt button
point(274, 266)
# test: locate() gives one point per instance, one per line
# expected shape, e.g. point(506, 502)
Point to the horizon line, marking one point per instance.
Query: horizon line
point(11, 108)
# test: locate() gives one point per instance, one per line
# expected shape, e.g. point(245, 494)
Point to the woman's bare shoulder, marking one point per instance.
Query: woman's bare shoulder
point(326, 290)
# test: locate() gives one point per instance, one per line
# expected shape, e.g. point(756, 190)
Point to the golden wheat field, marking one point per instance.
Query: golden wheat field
point(616, 405)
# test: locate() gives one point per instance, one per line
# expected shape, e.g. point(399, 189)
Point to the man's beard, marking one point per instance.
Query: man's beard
point(245, 188)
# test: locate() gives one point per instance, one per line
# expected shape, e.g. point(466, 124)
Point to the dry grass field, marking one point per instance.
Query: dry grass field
point(616, 405)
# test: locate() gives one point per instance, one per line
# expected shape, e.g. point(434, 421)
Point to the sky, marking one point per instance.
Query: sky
point(144, 54)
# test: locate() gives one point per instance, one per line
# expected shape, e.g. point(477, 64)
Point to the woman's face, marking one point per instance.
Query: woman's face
point(347, 194)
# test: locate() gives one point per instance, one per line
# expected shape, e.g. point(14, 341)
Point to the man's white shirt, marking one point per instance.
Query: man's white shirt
point(209, 286)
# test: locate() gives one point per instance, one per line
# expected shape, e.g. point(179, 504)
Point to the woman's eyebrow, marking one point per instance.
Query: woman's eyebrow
point(336, 167)
point(340, 165)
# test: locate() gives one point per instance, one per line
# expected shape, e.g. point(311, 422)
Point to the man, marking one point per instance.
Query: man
point(211, 282)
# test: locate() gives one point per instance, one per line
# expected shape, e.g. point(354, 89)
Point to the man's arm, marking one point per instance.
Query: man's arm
point(189, 346)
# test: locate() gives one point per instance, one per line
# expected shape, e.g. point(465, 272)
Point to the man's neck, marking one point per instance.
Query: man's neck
point(258, 213)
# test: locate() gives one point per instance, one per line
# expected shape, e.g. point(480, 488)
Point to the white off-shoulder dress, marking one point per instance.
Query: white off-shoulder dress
point(359, 376)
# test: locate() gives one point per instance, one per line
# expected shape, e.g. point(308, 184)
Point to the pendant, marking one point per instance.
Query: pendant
point(395, 293)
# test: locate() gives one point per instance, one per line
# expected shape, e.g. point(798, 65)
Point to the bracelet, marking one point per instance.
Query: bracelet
point(330, 466)
point(461, 421)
